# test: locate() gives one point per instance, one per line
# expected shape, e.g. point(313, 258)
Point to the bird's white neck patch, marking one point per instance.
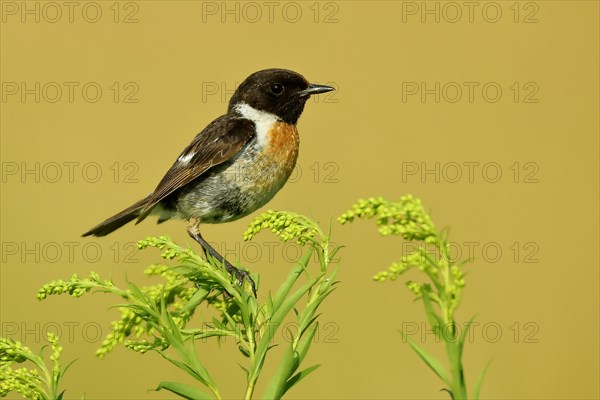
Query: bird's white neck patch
point(262, 120)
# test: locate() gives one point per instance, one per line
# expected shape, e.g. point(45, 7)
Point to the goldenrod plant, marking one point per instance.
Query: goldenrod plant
point(166, 318)
point(40, 382)
point(441, 289)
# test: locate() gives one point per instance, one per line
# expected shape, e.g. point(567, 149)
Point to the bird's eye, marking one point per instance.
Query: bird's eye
point(277, 89)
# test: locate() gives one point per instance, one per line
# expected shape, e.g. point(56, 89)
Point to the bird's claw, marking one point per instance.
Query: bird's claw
point(241, 275)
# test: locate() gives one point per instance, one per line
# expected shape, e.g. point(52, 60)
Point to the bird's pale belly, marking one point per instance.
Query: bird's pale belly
point(245, 183)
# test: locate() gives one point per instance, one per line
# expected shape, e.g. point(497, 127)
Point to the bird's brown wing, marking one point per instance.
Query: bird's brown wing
point(221, 140)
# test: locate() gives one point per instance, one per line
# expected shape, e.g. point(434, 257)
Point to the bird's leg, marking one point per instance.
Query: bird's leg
point(193, 230)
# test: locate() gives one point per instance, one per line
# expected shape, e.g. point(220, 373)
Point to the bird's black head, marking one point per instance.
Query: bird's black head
point(277, 91)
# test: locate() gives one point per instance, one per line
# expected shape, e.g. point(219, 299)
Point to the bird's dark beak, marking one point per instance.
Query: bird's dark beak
point(315, 89)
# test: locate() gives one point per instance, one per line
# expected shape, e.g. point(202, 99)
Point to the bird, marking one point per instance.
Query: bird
point(235, 165)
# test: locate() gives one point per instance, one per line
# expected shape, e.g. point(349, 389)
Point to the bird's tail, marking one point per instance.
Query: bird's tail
point(118, 220)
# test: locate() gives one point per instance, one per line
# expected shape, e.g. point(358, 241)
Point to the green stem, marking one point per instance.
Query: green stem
point(251, 377)
point(459, 390)
point(251, 340)
point(250, 389)
point(445, 296)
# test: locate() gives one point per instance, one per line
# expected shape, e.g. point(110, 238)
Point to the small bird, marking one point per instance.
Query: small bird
point(235, 165)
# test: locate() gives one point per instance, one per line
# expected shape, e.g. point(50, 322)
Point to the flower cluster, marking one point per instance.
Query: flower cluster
point(170, 250)
point(29, 382)
point(130, 324)
point(13, 351)
point(142, 346)
point(405, 217)
point(139, 317)
point(76, 287)
point(417, 259)
point(286, 225)
point(20, 380)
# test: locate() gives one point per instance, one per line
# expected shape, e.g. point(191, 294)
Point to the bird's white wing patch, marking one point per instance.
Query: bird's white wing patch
point(185, 158)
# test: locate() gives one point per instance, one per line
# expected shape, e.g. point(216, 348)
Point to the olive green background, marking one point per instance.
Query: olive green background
point(533, 229)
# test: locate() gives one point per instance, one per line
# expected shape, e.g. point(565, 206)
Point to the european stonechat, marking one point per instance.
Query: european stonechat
point(235, 165)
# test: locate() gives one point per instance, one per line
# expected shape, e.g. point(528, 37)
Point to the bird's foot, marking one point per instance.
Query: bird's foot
point(241, 275)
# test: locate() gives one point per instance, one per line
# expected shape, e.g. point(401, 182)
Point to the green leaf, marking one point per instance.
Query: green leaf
point(278, 316)
point(183, 366)
point(315, 300)
point(306, 341)
point(436, 322)
point(207, 333)
point(195, 300)
point(139, 295)
point(268, 307)
point(191, 356)
point(480, 381)
point(433, 363)
point(330, 280)
point(191, 364)
point(64, 370)
point(287, 367)
point(244, 351)
point(463, 334)
point(306, 325)
point(307, 317)
point(334, 252)
point(183, 390)
point(299, 376)
point(229, 321)
point(285, 288)
point(290, 363)
point(244, 369)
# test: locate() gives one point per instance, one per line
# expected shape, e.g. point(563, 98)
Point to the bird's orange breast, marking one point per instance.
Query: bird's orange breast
point(275, 159)
point(282, 144)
